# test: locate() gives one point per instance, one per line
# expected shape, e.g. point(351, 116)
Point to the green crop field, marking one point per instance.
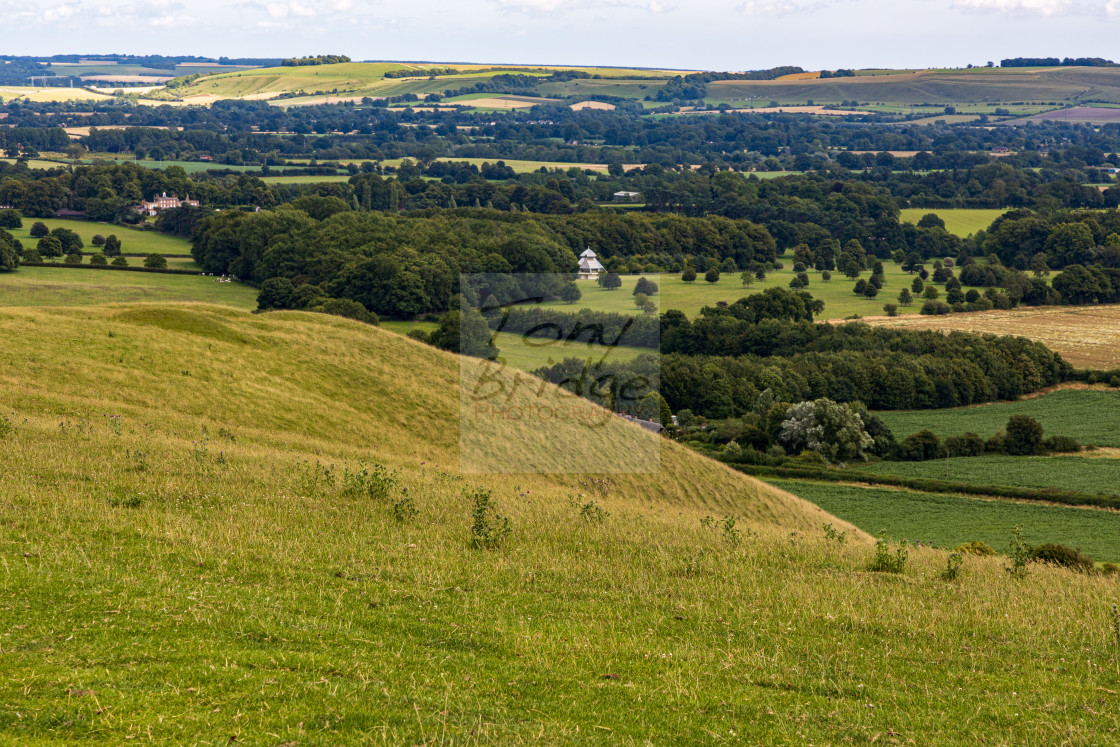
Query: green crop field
point(839, 300)
point(133, 241)
point(960, 221)
point(1085, 474)
point(1090, 416)
point(950, 520)
point(62, 286)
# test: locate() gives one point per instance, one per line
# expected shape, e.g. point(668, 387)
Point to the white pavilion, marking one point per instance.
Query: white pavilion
point(589, 265)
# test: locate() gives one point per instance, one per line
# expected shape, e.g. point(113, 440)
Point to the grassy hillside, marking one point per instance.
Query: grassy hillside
point(178, 564)
point(986, 86)
point(368, 79)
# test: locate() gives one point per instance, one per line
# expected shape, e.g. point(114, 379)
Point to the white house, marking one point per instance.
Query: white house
point(589, 266)
point(626, 196)
point(163, 202)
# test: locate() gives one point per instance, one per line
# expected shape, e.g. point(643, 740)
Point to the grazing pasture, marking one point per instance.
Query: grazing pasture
point(960, 221)
point(63, 286)
point(947, 521)
point(839, 300)
point(1089, 415)
point(1086, 336)
point(133, 241)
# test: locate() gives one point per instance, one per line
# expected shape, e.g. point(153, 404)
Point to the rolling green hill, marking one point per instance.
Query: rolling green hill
point(988, 86)
point(228, 527)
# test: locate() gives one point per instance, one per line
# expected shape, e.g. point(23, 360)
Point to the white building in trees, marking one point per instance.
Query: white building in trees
point(589, 265)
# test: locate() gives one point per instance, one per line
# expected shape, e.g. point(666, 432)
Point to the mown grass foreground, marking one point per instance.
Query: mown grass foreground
point(167, 583)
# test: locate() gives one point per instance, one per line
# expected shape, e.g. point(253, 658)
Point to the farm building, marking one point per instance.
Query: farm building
point(589, 265)
point(163, 202)
point(626, 196)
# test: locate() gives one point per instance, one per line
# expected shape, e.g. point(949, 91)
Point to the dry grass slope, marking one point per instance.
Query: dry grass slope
point(160, 582)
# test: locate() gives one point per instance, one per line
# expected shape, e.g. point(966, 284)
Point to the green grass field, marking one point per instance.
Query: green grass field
point(176, 569)
point(839, 300)
point(36, 163)
point(1084, 474)
point(191, 167)
point(61, 286)
point(303, 179)
point(949, 520)
point(962, 222)
point(520, 354)
point(527, 355)
point(133, 241)
point(1090, 416)
point(519, 166)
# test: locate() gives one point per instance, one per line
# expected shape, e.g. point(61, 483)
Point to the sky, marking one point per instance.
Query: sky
point(678, 34)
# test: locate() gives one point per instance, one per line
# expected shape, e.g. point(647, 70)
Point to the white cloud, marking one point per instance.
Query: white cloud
point(776, 7)
point(59, 13)
point(568, 6)
point(1039, 7)
point(173, 20)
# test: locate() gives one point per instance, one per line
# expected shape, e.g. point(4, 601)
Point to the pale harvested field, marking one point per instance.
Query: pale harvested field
point(815, 109)
point(51, 93)
point(506, 102)
point(591, 105)
point(1086, 336)
point(76, 132)
point(126, 78)
point(108, 90)
point(801, 76)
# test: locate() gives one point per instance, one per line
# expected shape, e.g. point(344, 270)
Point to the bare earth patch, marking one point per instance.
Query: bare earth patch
point(1086, 336)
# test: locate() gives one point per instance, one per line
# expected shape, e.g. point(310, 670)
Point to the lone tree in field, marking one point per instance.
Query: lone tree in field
point(155, 262)
point(748, 278)
point(39, 229)
point(112, 246)
point(904, 297)
point(610, 281)
point(50, 247)
point(1024, 436)
point(647, 286)
point(712, 275)
point(570, 293)
point(689, 275)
